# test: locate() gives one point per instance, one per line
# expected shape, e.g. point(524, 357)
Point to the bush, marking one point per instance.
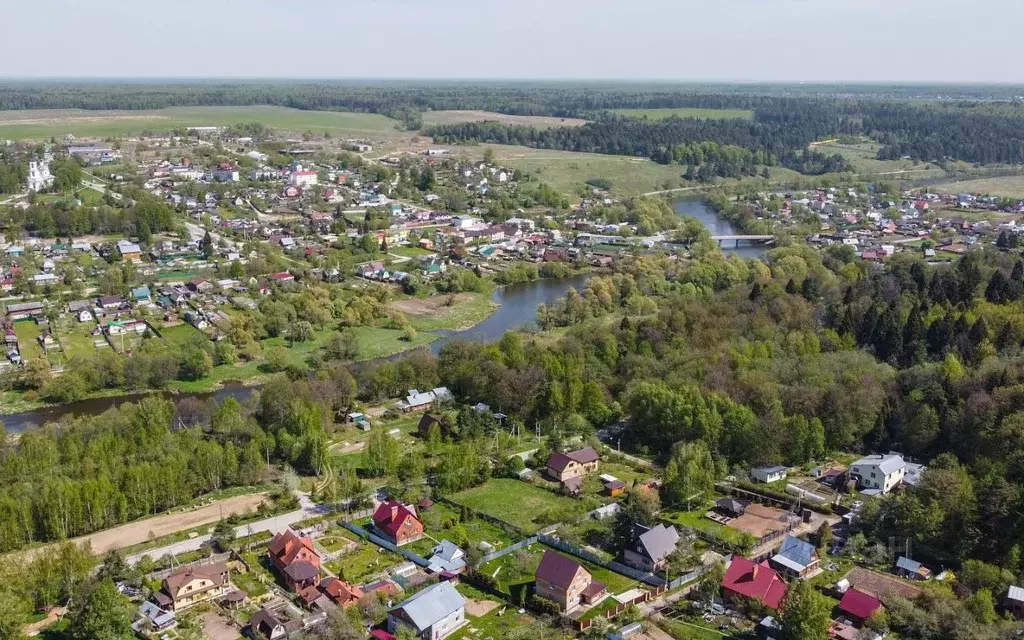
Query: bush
point(543, 606)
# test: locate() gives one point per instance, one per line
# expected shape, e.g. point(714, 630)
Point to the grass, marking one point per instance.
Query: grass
point(249, 583)
point(863, 156)
point(687, 112)
point(515, 571)
point(410, 251)
point(520, 503)
point(181, 334)
point(681, 630)
point(28, 332)
point(469, 533)
point(365, 562)
point(695, 520)
point(1004, 187)
point(78, 340)
point(375, 342)
point(46, 123)
point(335, 541)
point(497, 623)
point(463, 314)
point(432, 118)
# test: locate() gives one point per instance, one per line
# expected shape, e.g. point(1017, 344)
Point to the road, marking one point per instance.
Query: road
point(276, 524)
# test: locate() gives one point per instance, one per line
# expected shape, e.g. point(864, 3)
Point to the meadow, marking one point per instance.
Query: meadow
point(41, 124)
point(1004, 187)
point(521, 504)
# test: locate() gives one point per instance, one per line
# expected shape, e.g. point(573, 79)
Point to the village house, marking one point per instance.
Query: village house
point(268, 625)
point(747, 579)
point(768, 474)
point(296, 559)
point(341, 593)
point(911, 569)
point(191, 585)
point(878, 474)
point(797, 558)
point(24, 310)
point(428, 421)
point(129, 251)
point(432, 614)
point(652, 548)
point(153, 618)
point(568, 467)
point(397, 522)
point(859, 605)
point(565, 582)
point(1014, 602)
point(447, 558)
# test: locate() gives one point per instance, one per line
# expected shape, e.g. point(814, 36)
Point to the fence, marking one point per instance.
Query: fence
point(416, 559)
point(611, 565)
point(211, 559)
point(508, 527)
point(494, 555)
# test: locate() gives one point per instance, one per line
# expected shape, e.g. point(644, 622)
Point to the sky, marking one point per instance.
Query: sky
point(686, 40)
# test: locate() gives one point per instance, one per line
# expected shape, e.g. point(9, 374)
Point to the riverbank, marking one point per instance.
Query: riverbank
point(480, 317)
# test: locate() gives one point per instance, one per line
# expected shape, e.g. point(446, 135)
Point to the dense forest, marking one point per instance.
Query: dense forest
point(982, 126)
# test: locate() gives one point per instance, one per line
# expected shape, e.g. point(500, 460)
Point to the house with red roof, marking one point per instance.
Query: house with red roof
point(565, 582)
point(748, 579)
point(283, 276)
point(296, 559)
point(859, 605)
point(397, 522)
point(341, 593)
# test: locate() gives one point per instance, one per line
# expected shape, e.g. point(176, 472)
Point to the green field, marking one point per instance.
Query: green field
point(695, 520)
point(46, 123)
point(365, 562)
point(469, 533)
point(863, 156)
point(520, 503)
point(1004, 187)
point(515, 570)
point(28, 332)
point(408, 251)
point(468, 310)
point(686, 112)
point(181, 334)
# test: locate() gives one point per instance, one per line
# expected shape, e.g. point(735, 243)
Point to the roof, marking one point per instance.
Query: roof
point(265, 619)
point(128, 247)
point(1015, 593)
point(341, 591)
point(796, 554)
point(559, 461)
point(302, 570)
point(729, 504)
point(859, 604)
point(557, 569)
point(431, 605)
point(448, 557)
point(594, 588)
point(755, 581)
point(887, 464)
point(775, 469)
point(659, 542)
point(24, 306)
point(391, 515)
point(913, 566)
point(216, 572)
point(158, 616)
point(286, 546)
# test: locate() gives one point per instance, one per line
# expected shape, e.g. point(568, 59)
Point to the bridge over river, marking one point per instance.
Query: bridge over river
point(743, 238)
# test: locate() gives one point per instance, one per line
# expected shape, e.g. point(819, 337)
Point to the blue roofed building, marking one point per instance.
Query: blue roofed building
point(432, 614)
point(141, 294)
point(797, 558)
point(447, 557)
point(912, 569)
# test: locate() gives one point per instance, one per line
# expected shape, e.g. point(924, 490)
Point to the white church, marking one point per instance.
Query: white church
point(39, 176)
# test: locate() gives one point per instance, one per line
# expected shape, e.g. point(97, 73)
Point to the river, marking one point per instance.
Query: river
point(518, 308)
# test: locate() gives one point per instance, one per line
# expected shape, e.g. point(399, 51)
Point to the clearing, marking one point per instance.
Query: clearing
point(864, 154)
point(140, 531)
point(1004, 187)
point(452, 312)
point(687, 112)
point(457, 117)
point(521, 504)
point(45, 123)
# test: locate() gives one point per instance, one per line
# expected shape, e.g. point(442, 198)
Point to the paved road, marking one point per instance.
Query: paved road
point(276, 524)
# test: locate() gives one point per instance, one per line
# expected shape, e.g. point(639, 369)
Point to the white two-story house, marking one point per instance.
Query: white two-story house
point(879, 472)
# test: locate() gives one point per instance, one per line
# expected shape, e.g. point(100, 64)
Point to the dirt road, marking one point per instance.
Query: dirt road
point(138, 532)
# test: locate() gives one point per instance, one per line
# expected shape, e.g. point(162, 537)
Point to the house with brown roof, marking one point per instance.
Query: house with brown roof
point(191, 585)
point(565, 582)
point(296, 559)
point(575, 464)
point(271, 625)
point(429, 420)
point(341, 593)
point(397, 522)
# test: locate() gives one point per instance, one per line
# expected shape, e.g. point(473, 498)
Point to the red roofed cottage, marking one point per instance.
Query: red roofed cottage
point(747, 579)
point(397, 522)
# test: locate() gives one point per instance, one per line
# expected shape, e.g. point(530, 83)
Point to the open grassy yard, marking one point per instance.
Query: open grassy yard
point(28, 344)
point(181, 334)
point(687, 112)
point(695, 520)
point(516, 570)
point(410, 251)
point(36, 124)
point(432, 118)
point(367, 561)
point(1004, 187)
point(521, 503)
point(469, 533)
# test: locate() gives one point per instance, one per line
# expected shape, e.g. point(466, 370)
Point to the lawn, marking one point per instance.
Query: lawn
point(181, 334)
point(36, 124)
point(28, 344)
point(410, 251)
point(521, 504)
point(469, 533)
point(496, 623)
point(516, 570)
point(367, 561)
point(687, 112)
point(695, 520)
point(78, 340)
point(335, 540)
point(681, 630)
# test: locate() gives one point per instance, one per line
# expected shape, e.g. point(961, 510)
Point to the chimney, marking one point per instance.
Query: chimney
point(753, 572)
point(394, 510)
